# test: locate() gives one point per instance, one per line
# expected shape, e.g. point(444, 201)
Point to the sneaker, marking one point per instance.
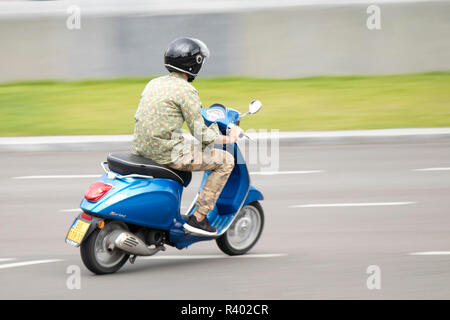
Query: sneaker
point(203, 227)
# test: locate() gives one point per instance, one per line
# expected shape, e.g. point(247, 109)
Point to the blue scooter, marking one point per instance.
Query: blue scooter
point(134, 208)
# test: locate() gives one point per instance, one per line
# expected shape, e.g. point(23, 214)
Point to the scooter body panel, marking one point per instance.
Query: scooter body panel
point(153, 203)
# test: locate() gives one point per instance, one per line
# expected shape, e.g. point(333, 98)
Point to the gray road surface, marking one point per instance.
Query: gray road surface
point(307, 250)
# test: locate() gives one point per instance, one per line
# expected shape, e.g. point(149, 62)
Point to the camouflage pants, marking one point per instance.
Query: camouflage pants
point(219, 162)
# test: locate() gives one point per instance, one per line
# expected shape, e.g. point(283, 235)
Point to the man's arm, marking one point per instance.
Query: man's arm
point(231, 138)
point(191, 109)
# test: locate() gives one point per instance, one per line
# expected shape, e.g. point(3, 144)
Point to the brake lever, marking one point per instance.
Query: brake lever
point(243, 135)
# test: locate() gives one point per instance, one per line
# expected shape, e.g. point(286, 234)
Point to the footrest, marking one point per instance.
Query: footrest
point(221, 222)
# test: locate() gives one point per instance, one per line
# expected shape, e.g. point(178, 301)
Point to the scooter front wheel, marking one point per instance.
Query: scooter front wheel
point(244, 232)
point(95, 254)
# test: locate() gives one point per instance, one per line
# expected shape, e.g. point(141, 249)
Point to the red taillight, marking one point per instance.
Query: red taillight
point(96, 191)
point(85, 216)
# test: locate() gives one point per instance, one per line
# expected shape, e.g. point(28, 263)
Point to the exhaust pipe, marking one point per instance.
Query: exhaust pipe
point(130, 243)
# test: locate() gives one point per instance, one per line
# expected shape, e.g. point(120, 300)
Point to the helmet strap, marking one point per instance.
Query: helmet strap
point(181, 70)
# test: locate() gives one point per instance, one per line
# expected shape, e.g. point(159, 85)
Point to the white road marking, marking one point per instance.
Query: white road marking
point(269, 173)
point(66, 176)
point(6, 259)
point(430, 253)
point(194, 257)
point(367, 204)
point(27, 263)
point(433, 169)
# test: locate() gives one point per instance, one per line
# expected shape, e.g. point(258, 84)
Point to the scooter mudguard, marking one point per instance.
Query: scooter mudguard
point(253, 195)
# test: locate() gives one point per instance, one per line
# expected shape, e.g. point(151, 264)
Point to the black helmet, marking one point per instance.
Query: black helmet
point(186, 55)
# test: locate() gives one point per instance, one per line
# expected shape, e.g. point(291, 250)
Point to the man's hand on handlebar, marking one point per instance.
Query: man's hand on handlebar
point(233, 135)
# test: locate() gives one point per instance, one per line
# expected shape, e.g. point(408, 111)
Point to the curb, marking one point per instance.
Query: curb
point(122, 142)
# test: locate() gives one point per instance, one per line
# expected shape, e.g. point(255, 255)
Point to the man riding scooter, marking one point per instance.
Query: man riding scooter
point(165, 104)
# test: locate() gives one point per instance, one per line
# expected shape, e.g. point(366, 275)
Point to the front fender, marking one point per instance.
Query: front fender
point(253, 195)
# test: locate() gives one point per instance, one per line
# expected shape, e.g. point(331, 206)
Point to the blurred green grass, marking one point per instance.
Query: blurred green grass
point(318, 103)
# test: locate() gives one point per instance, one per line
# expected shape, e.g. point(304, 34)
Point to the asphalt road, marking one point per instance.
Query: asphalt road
point(367, 205)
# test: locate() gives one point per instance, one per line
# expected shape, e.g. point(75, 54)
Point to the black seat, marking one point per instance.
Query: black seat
point(128, 163)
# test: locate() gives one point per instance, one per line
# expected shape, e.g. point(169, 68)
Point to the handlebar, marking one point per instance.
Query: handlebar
point(226, 117)
point(241, 135)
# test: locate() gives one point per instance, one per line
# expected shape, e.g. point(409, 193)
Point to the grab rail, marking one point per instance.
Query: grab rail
point(113, 175)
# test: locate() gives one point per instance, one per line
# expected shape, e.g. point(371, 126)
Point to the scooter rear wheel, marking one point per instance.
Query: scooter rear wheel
point(244, 231)
point(96, 256)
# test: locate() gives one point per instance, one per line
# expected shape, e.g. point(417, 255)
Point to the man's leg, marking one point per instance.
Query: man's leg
point(220, 163)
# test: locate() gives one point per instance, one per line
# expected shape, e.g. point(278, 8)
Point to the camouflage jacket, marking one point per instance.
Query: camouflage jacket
point(165, 104)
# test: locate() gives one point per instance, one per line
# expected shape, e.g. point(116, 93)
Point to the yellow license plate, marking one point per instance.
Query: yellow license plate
point(77, 232)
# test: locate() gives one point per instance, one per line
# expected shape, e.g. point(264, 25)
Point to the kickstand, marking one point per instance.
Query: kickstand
point(132, 259)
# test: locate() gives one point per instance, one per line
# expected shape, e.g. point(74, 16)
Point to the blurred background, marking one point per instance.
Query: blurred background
point(257, 38)
point(334, 207)
point(344, 52)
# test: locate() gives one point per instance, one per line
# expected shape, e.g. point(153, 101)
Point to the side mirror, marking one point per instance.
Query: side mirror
point(254, 106)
